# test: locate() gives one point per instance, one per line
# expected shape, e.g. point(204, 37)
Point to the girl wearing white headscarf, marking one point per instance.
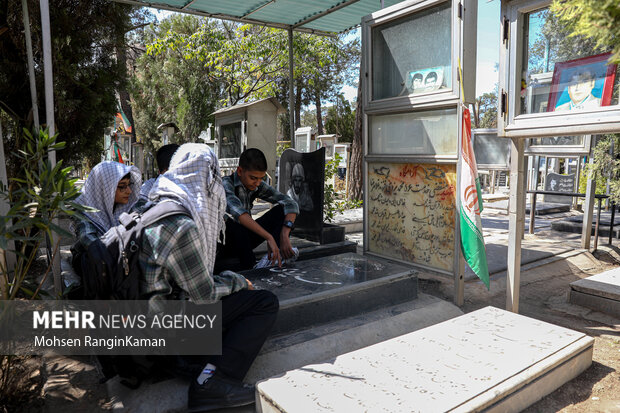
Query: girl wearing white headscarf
point(112, 188)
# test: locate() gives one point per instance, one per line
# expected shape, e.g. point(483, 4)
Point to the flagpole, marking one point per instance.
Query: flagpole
point(459, 276)
point(470, 199)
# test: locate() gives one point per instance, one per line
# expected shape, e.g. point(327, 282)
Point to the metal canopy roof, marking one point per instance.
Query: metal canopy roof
point(313, 16)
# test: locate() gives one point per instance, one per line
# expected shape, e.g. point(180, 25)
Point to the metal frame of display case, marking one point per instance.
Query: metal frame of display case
point(559, 150)
point(447, 98)
point(518, 127)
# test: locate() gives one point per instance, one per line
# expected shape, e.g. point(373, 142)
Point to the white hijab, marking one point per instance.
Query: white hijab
point(100, 189)
point(193, 179)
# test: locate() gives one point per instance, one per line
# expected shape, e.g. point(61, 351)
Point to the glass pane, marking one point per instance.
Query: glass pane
point(412, 212)
point(564, 73)
point(230, 141)
point(558, 140)
point(413, 54)
point(491, 150)
point(431, 132)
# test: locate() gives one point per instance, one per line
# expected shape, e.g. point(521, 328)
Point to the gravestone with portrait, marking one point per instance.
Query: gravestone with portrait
point(302, 177)
point(559, 183)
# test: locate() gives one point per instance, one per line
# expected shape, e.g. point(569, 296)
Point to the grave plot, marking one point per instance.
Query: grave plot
point(600, 292)
point(487, 360)
point(328, 288)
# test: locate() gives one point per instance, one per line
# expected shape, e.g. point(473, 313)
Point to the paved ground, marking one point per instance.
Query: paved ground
point(71, 383)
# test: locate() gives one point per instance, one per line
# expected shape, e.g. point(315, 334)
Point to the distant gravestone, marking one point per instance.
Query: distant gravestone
point(302, 177)
point(559, 183)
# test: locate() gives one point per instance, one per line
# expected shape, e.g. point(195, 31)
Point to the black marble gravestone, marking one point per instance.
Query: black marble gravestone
point(302, 177)
point(559, 183)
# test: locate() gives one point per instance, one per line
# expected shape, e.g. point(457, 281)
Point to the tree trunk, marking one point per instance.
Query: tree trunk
point(355, 174)
point(319, 118)
point(476, 113)
point(298, 106)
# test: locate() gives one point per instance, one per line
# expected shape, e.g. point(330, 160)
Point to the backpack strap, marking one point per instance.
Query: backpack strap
point(162, 210)
point(156, 212)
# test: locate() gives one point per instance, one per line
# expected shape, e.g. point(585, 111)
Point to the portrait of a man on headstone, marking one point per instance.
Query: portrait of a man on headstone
point(302, 177)
point(299, 189)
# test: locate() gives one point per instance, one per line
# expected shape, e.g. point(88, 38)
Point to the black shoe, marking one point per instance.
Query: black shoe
point(217, 393)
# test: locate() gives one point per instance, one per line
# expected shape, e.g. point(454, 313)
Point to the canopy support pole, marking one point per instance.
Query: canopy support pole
point(49, 120)
point(33, 84)
point(516, 221)
point(291, 91)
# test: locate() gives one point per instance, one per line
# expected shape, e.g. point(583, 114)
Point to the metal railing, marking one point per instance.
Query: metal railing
point(599, 198)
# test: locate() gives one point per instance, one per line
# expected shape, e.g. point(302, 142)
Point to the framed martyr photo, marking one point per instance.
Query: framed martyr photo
point(582, 84)
point(426, 80)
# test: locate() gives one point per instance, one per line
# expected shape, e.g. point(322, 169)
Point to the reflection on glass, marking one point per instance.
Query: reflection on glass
point(413, 54)
point(564, 73)
point(230, 140)
point(412, 211)
point(558, 140)
point(431, 132)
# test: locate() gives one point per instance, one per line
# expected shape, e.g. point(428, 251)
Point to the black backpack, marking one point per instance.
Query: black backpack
point(109, 268)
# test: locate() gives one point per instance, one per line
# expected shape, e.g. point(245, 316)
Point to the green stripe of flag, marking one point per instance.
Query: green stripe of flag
point(472, 246)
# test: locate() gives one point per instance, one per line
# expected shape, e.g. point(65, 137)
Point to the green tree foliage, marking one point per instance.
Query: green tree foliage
point(194, 66)
point(168, 86)
point(85, 37)
point(598, 20)
point(606, 166)
point(308, 118)
point(596, 23)
point(322, 66)
point(46, 192)
point(341, 119)
point(557, 41)
point(221, 64)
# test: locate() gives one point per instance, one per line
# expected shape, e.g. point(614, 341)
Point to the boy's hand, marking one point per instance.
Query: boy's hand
point(274, 252)
point(286, 248)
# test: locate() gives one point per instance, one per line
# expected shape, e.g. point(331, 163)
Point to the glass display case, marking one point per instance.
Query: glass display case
point(412, 110)
point(428, 132)
point(402, 67)
point(551, 82)
point(411, 53)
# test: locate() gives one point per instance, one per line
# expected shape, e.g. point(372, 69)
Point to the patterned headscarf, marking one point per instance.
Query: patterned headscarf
point(194, 181)
point(100, 189)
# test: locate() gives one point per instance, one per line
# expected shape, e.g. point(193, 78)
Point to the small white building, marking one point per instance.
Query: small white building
point(247, 125)
point(305, 139)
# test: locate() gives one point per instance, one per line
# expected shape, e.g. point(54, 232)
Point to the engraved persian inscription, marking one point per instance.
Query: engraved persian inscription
point(411, 212)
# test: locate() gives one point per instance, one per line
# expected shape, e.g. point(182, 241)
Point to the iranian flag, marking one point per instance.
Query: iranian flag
point(472, 241)
point(117, 153)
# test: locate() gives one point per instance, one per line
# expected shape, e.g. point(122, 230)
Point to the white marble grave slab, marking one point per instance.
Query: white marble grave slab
point(489, 359)
point(605, 284)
